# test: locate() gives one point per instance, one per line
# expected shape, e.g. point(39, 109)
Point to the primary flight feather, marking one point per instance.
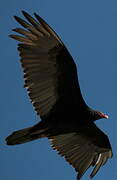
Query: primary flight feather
point(51, 80)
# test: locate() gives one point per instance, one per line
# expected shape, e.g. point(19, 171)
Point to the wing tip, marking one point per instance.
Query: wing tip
point(26, 15)
point(91, 176)
point(79, 176)
point(39, 18)
point(24, 12)
point(11, 36)
point(16, 18)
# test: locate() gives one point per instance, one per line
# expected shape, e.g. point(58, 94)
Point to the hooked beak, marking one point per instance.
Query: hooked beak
point(105, 116)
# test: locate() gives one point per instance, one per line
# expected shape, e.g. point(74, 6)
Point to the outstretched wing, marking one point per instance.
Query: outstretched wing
point(49, 71)
point(87, 147)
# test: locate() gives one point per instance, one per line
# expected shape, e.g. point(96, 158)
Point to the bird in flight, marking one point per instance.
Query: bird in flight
point(51, 81)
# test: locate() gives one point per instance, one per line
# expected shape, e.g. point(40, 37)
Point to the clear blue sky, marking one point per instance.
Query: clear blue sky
point(89, 30)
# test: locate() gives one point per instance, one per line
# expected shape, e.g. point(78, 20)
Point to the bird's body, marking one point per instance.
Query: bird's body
point(51, 80)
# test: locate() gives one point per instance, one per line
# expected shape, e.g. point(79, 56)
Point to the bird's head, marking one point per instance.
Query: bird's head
point(100, 115)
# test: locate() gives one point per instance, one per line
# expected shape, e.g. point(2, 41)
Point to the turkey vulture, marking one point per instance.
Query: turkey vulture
point(51, 80)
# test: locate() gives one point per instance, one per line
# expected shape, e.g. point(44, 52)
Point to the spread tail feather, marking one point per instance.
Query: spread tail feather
point(25, 135)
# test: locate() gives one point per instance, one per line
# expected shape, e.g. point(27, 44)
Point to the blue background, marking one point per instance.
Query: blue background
point(89, 30)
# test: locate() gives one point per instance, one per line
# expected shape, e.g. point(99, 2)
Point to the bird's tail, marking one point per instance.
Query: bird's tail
point(26, 135)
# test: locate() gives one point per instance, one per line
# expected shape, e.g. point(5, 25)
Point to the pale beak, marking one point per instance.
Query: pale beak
point(106, 116)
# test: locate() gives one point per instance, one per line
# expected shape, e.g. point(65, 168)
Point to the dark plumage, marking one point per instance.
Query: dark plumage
point(51, 80)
